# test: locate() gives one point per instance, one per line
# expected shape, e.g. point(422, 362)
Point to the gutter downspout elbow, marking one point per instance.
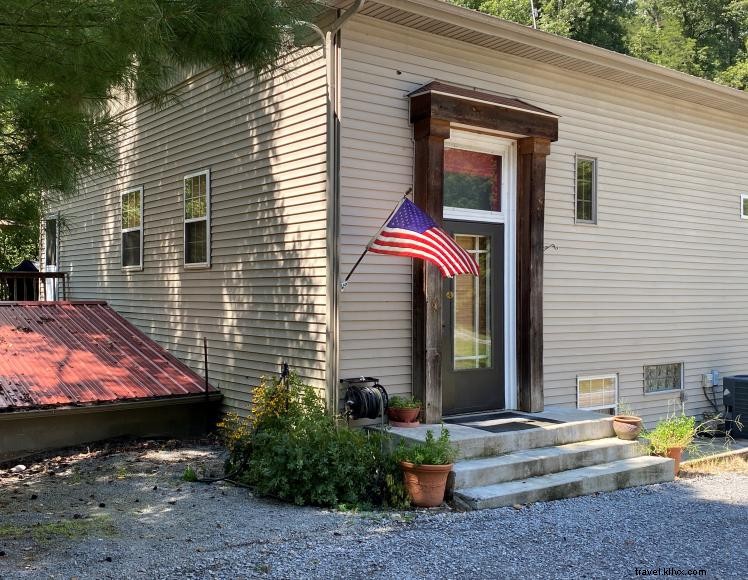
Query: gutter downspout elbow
point(338, 24)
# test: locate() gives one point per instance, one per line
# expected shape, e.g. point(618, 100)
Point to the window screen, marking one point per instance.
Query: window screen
point(197, 219)
point(599, 392)
point(586, 189)
point(132, 228)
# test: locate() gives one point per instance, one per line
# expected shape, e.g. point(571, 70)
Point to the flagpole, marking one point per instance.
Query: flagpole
point(344, 283)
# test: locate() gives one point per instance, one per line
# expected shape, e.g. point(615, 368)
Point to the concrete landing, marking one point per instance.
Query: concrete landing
point(470, 442)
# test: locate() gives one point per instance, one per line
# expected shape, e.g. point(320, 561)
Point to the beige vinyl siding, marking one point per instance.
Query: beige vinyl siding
point(263, 300)
point(663, 277)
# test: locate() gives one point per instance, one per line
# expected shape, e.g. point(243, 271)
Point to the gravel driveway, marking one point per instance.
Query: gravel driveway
point(127, 514)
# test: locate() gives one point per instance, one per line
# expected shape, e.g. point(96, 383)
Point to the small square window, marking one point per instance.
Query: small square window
point(197, 219)
point(597, 393)
point(663, 377)
point(586, 190)
point(744, 206)
point(131, 240)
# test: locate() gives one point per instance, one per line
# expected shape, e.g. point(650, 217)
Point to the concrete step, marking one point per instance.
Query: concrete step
point(610, 476)
point(542, 461)
point(472, 442)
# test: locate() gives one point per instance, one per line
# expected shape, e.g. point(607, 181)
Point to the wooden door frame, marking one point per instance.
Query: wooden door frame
point(434, 109)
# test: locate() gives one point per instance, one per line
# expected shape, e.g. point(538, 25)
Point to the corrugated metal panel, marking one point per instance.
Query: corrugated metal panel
point(77, 353)
point(662, 278)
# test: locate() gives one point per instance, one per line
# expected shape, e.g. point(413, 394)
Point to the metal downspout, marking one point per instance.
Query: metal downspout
point(333, 63)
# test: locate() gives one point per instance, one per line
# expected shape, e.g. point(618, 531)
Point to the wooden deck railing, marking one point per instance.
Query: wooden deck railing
point(25, 286)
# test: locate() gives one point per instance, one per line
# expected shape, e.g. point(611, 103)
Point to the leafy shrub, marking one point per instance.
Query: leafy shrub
point(292, 449)
point(677, 431)
point(399, 402)
point(431, 452)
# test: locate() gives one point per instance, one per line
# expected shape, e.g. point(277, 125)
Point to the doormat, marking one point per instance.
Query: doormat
point(503, 422)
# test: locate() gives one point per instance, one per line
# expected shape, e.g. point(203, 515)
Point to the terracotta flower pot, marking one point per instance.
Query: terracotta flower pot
point(403, 415)
point(627, 427)
point(425, 483)
point(675, 453)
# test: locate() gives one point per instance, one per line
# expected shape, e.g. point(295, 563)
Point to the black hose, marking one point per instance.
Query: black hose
point(365, 401)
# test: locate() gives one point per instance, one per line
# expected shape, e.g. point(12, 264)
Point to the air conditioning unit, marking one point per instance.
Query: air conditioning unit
point(735, 397)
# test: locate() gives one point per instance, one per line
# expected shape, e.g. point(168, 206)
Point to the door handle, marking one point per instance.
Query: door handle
point(450, 295)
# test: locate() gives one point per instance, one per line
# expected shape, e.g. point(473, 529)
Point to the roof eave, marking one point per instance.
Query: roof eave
point(491, 25)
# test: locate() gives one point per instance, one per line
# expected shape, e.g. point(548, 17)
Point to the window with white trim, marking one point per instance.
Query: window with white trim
point(586, 190)
point(597, 392)
point(197, 219)
point(663, 377)
point(744, 206)
point(132, 228)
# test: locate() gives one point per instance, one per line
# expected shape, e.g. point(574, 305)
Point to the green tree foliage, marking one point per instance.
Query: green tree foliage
point(658, 37)
point(700, 37)
point(598, 22)
point(514, 10)
point(64, 62)
point(706, 38)
point(736, 76)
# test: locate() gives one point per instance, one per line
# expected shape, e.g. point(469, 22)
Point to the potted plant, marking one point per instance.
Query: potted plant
point(626, 424)
point(426, 468)
point(672, 435)
point(403, 411)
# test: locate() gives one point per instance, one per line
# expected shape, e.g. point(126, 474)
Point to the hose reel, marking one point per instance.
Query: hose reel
point(364, 398)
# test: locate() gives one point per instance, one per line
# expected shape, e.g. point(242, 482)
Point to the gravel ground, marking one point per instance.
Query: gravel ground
point(125, 513)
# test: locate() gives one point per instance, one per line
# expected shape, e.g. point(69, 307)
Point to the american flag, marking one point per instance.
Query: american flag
point(411, 232)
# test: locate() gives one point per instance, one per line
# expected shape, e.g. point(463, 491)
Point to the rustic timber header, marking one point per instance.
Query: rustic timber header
point(434, 108)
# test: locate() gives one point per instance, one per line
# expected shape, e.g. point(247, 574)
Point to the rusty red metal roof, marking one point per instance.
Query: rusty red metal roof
point(82, 353)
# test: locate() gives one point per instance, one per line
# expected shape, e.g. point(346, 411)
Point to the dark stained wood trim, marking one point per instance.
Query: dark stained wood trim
point(432, 114)
point(532, 153)
point(429, 137)
point(483, 115)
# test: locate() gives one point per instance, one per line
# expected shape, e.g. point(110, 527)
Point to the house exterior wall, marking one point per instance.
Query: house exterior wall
point(263, 300)
point(662, 276)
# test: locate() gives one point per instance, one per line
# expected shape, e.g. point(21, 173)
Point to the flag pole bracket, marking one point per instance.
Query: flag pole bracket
point(344, 283)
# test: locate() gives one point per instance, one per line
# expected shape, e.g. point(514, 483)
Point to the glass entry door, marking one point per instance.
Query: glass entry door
point(51, 260)
point(473, 324)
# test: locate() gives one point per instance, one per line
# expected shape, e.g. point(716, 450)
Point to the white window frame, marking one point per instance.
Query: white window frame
point(668, 391)
point(123, 231)
point(613, 376)
point(743, 197)
point(206, 264)
point(577, 159)
point(462, 138)
point(51, 285)
point(55, 217)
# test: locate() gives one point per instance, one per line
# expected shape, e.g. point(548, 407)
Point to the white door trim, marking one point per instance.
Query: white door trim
point(50, 285)
point(507, 148)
